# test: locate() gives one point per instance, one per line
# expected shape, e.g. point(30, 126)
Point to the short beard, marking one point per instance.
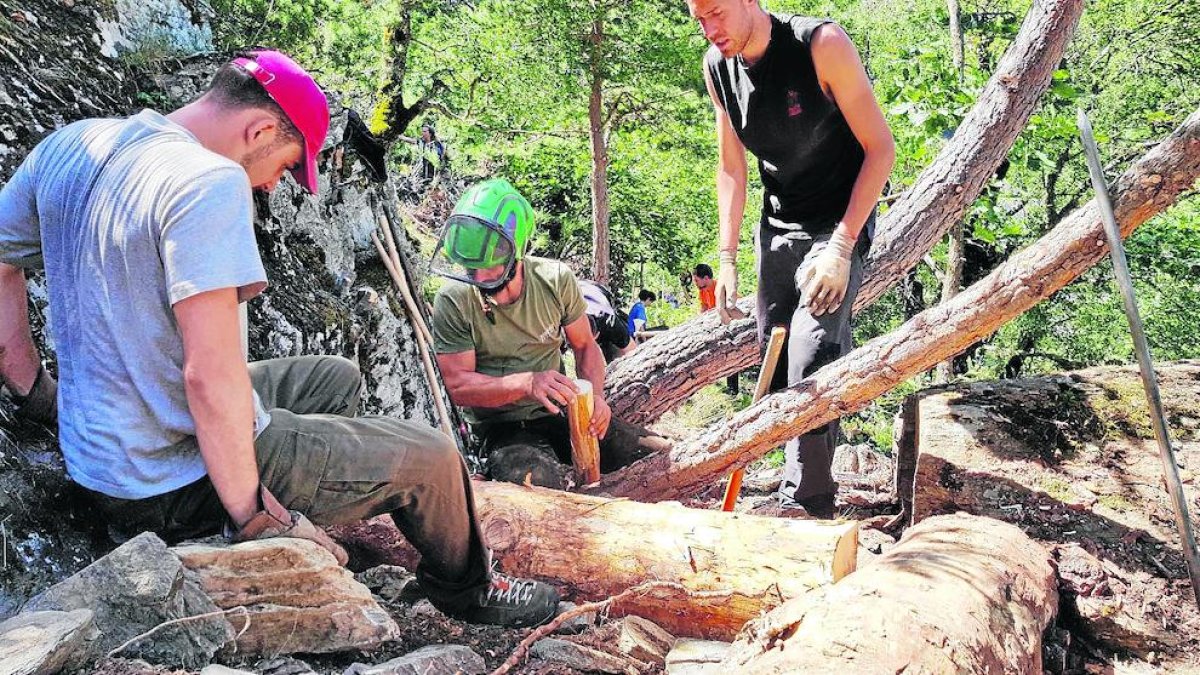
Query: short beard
point(258, 154)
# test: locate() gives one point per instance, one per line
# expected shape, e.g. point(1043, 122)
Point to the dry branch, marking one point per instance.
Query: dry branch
point(849, 384)
point(660, 375)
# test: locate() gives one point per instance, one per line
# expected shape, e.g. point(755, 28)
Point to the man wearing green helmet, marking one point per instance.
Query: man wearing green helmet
point(498, 330)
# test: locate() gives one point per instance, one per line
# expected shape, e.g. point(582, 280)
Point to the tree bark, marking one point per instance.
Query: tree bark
point(660, 375)
point(593, 548)
point(958, 594)
point(599, 137)
point(849, 384)
point(956, 38)
point(392, 113)
point(950, 284)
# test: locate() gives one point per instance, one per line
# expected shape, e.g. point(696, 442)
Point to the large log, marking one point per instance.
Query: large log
point(1072, 458)
point(852, 382)
point(594, 548)
point(958, 595)
point(663, 373)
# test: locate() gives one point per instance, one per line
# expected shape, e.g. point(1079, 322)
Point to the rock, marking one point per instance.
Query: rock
point(215, 669)
point(283, 665)
point(42, 643)
point(431, 660)
point(696, 657)
point(1115, 607)
point(425, 608)
point(580, 657)
point(134, 589)
point(391, 583)
point(645, 640)
point(875, 541)
point(577, 624)
point(298, 598)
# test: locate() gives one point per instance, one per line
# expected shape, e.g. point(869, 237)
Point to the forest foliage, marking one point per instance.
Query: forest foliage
point(507, 86)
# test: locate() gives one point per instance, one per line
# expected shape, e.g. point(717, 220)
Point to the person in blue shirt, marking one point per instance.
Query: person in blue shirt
point(637, 313)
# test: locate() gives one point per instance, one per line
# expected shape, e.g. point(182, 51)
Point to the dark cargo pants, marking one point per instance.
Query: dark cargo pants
point(317, 458)
point(783, 257)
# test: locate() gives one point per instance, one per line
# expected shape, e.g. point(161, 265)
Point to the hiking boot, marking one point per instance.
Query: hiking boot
point(509, 602)
point(821, 507)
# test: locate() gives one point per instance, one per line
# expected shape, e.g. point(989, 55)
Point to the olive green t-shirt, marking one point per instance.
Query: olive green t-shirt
point(526, 336)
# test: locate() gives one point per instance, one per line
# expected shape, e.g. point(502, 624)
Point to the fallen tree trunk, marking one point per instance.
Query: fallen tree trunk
point(663, 373)
point(1071, 458)
point(958, 594)
point(737, 565)
point(849, 384)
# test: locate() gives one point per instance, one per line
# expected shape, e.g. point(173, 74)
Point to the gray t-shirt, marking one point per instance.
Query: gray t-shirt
point(128, 217)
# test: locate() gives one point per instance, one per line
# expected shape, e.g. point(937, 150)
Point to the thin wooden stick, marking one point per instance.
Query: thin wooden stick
point(514, 659)
point(175, 622)
point(422, 346)
point(418, 317)
point(765, 375)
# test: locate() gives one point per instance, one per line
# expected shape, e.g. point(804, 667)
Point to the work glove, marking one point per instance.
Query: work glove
point(823, 283)
point(41, 403)
point(727, 284)
point(273, 520)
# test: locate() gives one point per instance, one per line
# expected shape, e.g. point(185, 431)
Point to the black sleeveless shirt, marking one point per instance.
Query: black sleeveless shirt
point(807, 155)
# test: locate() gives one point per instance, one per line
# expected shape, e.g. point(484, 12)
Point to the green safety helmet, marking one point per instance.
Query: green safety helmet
point(484, 237)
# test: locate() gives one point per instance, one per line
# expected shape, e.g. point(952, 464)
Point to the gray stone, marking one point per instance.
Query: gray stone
point(42, 643)
point(283, 665)
point(134, 589)
point(580, 657)
point(215, 669)
point(645, 640)
point(696, 657)
point(577, 624)
point(431, 660)
point(391, 583)
point(425, 608)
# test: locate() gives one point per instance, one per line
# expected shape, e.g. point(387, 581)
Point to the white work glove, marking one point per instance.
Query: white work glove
point(727, 284)
point(823, 284)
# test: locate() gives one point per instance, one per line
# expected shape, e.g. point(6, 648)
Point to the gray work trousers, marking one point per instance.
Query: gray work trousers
point(316, 457)
point(783, 256)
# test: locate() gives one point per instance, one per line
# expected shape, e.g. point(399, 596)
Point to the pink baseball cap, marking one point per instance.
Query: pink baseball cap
point(301, 99)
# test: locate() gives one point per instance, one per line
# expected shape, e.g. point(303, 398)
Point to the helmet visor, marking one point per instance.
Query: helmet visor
point(474, 251)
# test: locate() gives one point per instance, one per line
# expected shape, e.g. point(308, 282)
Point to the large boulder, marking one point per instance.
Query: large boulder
point(288, 596)
point(44, 643)
point(136, 588)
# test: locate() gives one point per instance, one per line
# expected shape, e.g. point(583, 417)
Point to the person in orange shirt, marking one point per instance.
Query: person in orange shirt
point(702, 276)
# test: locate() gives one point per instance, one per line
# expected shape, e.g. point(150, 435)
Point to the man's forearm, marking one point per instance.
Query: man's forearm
point(731, 204)
point(477, 390)
point(877, 166)
point(222, 406)
point(19, 361)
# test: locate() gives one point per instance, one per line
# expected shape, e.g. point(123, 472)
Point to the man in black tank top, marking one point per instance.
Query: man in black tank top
point(793, 91)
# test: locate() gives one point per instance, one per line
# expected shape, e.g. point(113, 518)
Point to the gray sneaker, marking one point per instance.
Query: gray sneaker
point(510, 602)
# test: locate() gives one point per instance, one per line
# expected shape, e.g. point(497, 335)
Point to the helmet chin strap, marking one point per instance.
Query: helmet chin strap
point(486, 295)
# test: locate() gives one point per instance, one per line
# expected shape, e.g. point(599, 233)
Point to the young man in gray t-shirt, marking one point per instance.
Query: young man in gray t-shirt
point(145, 229)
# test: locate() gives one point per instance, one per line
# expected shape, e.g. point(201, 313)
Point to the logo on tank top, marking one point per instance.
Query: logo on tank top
point(793, 103)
